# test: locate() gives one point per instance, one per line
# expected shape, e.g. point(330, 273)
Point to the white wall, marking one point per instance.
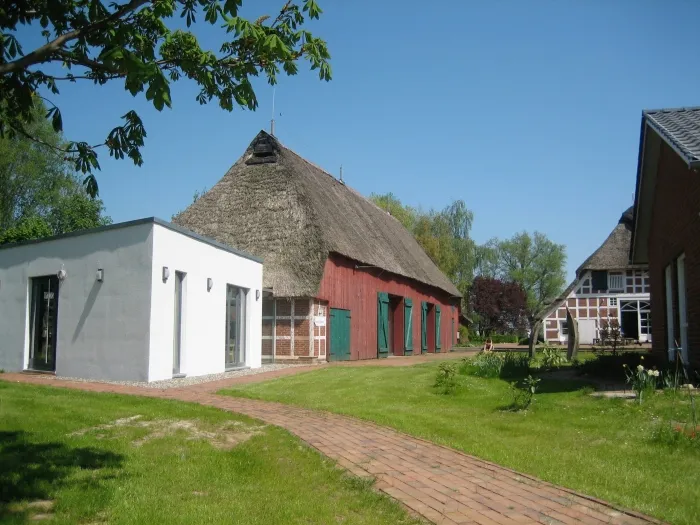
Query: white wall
point(204, 312)
point(103, 328)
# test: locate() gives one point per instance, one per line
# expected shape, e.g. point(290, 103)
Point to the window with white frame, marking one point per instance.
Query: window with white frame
point(564, 327)
point(585, 287)
point(616, 281)
point(645, 322)
point(612, 301)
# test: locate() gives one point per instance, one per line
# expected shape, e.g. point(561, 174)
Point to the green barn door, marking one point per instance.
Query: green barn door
point(407, 326)
point(340, 335)
point(424, 328)
point(438, 318)
point(382, 324)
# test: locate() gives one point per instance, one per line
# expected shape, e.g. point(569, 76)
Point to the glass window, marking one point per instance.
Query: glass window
point(235, 325)
point(564, 327)
point(645, 321)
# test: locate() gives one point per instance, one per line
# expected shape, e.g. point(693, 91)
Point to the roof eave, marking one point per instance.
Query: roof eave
point(640, 160)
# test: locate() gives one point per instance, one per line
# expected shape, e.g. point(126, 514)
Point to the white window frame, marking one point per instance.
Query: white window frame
point(682, 307)
point(564, 328)
point(616, 278)
point(670, 324)
point(612, 301)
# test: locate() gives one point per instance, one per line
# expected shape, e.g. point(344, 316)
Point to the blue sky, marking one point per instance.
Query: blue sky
point(528, 111)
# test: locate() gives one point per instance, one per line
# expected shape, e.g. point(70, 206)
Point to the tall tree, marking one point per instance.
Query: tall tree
point(498, 306)
point(444, 235)
point(536, 263)
point(393, 206)
point(133, 41)
point(39, 195)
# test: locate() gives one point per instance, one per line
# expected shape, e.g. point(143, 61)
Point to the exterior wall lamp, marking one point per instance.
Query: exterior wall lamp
point(166, 274)
point(100, 275)
point(61, 275)
point(210, 284)
point(257, 295)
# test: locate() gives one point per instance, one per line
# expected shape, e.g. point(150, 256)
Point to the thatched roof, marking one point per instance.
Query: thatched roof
point(613, 254)
point(278, 206)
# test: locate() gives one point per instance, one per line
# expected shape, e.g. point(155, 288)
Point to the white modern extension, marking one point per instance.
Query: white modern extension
point(143, 300)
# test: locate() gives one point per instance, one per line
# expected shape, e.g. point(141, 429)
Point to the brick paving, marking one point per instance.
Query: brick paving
point(441, 484)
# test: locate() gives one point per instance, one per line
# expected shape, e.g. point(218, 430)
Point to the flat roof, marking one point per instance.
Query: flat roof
point(137, 222)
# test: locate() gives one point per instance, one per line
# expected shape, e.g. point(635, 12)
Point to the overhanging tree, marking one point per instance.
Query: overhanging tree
point(132, 42)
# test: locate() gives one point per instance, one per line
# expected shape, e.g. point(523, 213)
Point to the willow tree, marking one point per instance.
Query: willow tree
point(134, 42)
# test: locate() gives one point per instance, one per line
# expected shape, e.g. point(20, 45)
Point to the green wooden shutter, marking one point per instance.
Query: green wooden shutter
point(383, 324)
point(408, 326)
point(438, 317)
point(424, 327)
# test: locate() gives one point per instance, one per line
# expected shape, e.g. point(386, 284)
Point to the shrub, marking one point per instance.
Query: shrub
point(643, 380)
point(497, 339)
point(484, 364)
point(463, 335)
point(523, 393)
point(495, 364)
point(611, 367)
point(446, 378)
point(552, 357)
point(515, 364)
point(610, 334)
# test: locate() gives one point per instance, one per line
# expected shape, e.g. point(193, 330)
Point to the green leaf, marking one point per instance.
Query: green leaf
point(56, 120)
point(90, 184)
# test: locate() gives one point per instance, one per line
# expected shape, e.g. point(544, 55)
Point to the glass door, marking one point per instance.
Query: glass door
point(44, 323)
point(177, 333)
point(235, 326)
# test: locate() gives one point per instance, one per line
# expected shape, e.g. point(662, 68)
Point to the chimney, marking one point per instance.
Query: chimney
point(341, 175)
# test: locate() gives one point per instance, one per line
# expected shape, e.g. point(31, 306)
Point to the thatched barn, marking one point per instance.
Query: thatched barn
point(343, 279)
point(607, 286)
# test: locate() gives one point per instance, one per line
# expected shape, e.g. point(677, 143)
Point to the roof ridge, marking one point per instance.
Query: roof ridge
point(669, 110)
point(353, 190)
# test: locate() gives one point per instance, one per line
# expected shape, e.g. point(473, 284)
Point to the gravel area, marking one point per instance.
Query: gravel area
point(185, 381)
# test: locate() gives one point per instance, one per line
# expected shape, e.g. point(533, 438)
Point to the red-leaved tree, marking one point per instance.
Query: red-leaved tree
point(500, 306)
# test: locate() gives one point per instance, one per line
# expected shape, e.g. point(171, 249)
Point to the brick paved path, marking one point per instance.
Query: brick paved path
point(439, 483)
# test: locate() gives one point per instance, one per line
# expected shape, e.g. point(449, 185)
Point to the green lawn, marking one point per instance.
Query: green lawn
point(81, 458)
point(603, 447)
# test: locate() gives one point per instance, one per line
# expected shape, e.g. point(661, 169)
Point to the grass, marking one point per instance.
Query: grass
point(602, 447)
point(63, 458)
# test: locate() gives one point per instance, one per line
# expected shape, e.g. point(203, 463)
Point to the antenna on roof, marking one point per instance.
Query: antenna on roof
point(341, 175)
point(272, 120)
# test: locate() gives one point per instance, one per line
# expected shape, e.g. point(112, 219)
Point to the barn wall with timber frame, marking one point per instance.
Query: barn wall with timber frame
point(353, 286)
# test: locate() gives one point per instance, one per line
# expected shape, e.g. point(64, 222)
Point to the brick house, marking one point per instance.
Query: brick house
point(342, 278)
point(607, 286)
point(666, 231)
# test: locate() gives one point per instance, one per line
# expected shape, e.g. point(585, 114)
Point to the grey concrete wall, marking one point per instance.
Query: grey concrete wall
point(103, 327)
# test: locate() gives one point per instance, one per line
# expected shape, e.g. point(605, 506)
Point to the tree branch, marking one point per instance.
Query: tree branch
point(43, 53)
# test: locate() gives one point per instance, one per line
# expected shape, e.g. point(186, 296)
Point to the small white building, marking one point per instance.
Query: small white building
point(143, 300)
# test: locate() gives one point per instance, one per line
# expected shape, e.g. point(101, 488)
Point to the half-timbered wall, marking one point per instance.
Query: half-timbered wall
point(294, 329)
point(585, 304)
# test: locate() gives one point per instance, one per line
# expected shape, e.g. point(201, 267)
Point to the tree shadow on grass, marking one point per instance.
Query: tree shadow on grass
point(31, 471)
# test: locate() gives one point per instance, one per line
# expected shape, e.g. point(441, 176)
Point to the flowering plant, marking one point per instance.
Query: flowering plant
point(643, 380)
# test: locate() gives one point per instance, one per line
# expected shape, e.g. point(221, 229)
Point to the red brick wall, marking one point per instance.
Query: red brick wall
point(289, 331)
point(675, 229)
